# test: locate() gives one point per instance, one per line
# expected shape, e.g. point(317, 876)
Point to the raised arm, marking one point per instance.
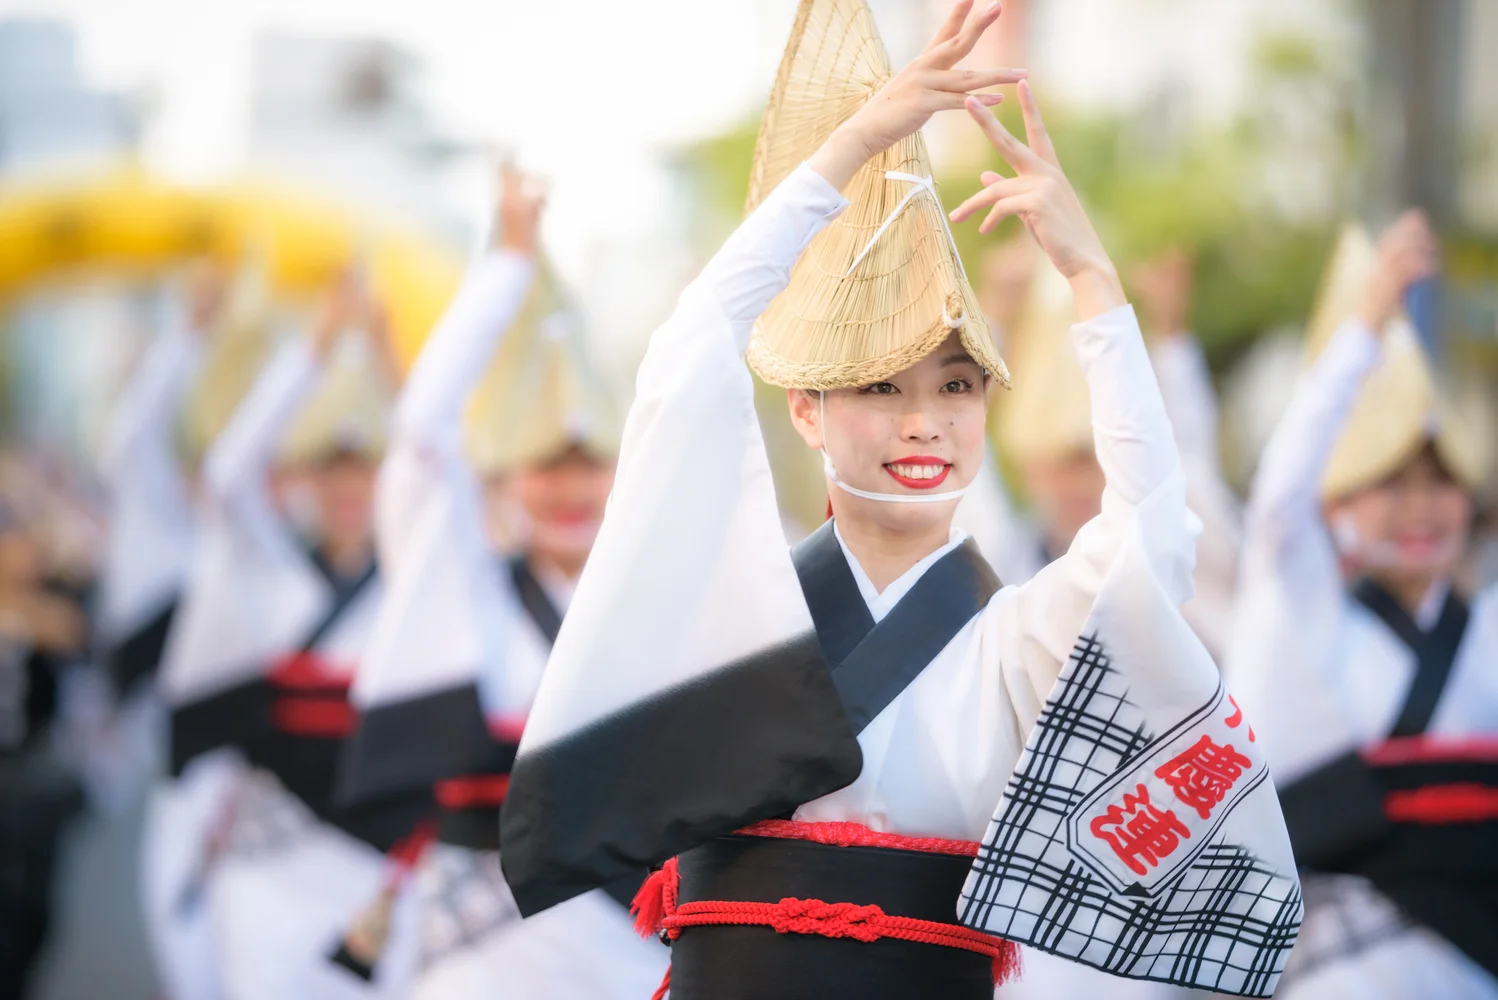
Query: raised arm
point(1131, 431)
point(1285, 502)
point(237, 468)
point(143, 422)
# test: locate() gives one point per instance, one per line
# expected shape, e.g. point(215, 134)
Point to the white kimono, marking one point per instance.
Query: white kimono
point(452, 625)
point(1191, 402)
point(1323, 676)
point(147, 556)
point(690, 620)
point(224, 846)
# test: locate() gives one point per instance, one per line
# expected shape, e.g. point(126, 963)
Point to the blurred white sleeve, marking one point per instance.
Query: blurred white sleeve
point(1141, 466)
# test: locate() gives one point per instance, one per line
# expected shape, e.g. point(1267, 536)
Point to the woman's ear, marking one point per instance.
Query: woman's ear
point(806, 415)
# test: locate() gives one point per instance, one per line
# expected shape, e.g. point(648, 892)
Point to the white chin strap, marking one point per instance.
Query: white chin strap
point(866, 494)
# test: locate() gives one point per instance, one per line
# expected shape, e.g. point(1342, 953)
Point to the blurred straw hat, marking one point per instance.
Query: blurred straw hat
point(541, 395)
point(1401, 405)
point(1049, 414)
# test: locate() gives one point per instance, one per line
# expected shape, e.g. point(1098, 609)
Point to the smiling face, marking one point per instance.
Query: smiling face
point(564, 500)
point(1067, 492)
point(918, 432)
point(1411, 528)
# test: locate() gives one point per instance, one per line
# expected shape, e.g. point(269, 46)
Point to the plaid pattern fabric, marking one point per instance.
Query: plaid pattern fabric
point(464, 899)
point(265, 818)
point(1211, 915)
point(1345, 917)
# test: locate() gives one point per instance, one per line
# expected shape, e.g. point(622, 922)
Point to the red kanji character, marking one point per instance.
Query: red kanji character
point(1236, 719)
point(1141, 833)
point(1203, 775)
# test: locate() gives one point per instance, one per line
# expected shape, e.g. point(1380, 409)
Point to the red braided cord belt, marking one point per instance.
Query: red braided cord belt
point(657, 912)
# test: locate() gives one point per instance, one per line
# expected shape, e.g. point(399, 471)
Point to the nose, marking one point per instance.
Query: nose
point(919, 425)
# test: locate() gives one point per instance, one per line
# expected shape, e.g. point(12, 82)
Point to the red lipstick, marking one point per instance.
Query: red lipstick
point(918, 460)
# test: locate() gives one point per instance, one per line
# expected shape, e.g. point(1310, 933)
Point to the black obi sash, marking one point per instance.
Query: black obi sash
point(749, 963)
point(294, 723)
point(1392, 813)
point(871, 665)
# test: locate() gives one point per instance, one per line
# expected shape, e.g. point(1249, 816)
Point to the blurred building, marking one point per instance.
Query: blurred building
point(344, 115)
point(49, 118)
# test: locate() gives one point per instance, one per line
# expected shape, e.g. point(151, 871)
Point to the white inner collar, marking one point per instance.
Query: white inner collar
point(1431, 605)
point(880, 604)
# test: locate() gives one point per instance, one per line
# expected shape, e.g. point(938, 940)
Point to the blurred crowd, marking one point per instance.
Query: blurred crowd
point(238, 624)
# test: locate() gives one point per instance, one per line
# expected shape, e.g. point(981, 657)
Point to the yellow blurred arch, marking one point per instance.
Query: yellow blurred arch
point(127, 221)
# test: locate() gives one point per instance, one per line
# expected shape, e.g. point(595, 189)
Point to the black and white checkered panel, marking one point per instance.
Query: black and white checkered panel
point(1346, 917)
point(1227, 922)
point(464, 900)
point(265, 818)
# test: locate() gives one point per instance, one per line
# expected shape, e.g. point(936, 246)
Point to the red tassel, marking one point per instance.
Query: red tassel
point(1006, 964)
point(649, 906)
point(664, 987)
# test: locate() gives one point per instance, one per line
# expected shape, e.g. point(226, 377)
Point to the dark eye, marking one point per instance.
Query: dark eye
point(880, 389)
point(958, 385)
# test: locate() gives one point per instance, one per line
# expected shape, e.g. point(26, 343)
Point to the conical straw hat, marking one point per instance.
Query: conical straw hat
point(541, 394)
point(1401, 406)
point(238, 346)
point(862, 304)
point(348, 413)
point(1049, 414)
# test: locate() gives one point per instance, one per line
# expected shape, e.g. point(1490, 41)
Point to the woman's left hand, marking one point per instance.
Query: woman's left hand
point(1041, 196)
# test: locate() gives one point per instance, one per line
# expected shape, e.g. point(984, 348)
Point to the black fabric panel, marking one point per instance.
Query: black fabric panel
point(1443, 875)
point(920, 626)
point(357, 966)
point(837, 607)
point(476, 828)
point(409, 745)
point(534, 599)
point(1435, 651)
point(1334, 814)
point(139, 655)
point(740, 963)
point(237, 716)
point(1454, 852)
point(744, 743)
point(1466, 914)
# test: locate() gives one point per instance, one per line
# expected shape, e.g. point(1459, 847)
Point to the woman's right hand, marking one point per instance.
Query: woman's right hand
point(517, 218)
point(928, 85)
point(1407, 252)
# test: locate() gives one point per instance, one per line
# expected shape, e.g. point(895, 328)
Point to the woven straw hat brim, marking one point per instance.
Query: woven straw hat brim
point(348, 413)
point(237, 348)
point(1401, 405)
point(857, 309)
point(1049, 414)
point(541, 394)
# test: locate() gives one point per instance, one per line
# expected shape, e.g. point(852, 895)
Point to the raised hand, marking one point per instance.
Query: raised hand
point(928, 85)
point(1407, 252)
point(1162, 292)
point(206, 293)
point(517, 217)
point(1041, 196)
point(345, 306)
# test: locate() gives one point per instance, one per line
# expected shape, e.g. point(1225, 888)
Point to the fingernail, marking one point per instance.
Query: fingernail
point(995, 7)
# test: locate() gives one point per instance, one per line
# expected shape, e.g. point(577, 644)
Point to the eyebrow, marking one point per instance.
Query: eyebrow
point(958, 359)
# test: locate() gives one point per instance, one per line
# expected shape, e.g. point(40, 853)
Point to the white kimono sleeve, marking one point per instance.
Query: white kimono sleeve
point(253, 592)
point(1292, 599)
point(687, 694)
point(1139, 833)
point(150, 516)
point(442, 622)
point(1191, 403)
